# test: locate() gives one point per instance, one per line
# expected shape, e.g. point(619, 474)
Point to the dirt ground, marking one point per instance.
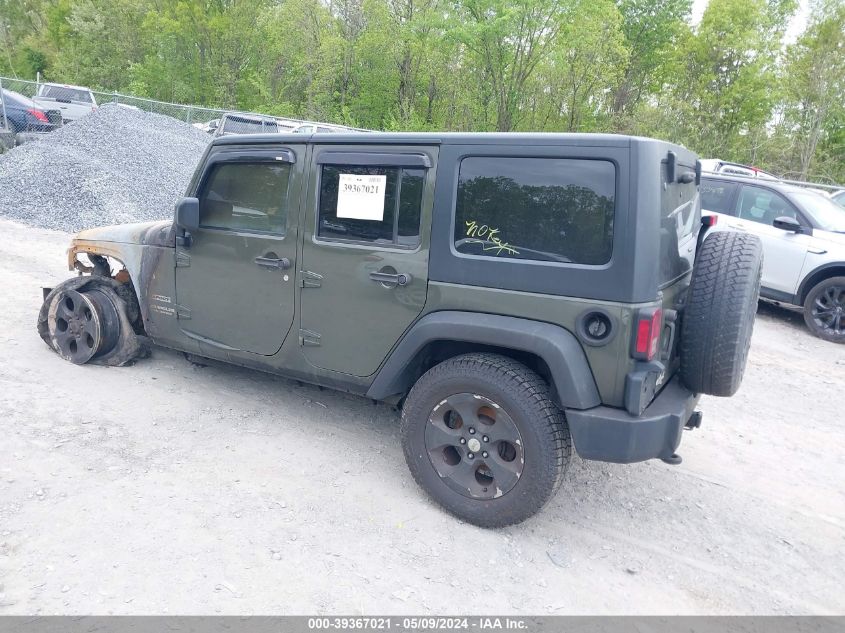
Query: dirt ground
point(168, 488)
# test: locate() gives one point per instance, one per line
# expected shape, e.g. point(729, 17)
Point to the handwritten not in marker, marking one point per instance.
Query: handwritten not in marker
point(489, 238)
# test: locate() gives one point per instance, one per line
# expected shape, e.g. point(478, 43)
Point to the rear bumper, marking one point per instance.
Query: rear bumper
point(613, 435)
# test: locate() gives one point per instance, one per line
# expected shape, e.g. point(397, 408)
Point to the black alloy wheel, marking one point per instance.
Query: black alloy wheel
point(824, 310)
point(474, 446)
point(484, 438)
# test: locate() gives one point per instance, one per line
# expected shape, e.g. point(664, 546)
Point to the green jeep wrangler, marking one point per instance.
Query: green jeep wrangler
point(515, 294)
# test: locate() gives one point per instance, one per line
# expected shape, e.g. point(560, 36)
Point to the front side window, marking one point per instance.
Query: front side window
point(246, 197)
point(757, 204)
point(371, 204)
point(542, 209)
point(716, 195)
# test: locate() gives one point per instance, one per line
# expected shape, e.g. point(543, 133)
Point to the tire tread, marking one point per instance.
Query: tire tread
point(719, 315)
point(523, 385)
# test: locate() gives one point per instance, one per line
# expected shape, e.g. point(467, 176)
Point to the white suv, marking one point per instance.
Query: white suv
point(803, 235)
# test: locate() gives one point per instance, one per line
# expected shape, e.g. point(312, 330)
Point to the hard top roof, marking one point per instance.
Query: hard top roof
point(436, 138)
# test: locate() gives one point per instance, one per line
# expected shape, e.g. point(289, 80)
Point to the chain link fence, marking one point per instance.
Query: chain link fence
point(71, 102)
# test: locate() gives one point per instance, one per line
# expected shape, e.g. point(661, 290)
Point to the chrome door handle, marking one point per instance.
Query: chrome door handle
point(279, 263)
point(389, 279)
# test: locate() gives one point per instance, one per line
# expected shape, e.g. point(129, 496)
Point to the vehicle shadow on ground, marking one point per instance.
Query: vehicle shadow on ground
point(788, 315)
point(379, 421)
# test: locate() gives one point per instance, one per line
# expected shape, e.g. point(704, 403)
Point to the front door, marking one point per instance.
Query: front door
point(365, 252)
point(784, 252)
point(235, 281)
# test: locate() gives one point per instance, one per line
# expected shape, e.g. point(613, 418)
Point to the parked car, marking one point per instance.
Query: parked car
point(74, 101)
point(209, 127)
point(838, 197)
point(25, 119)
point(243, 123)
point(803, 235)
point(716, 166)
point(321, 128)
point(286, 125)
point(516, 294)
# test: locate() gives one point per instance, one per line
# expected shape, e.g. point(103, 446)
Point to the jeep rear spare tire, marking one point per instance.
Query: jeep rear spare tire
point(483, 438)
point(719, 315)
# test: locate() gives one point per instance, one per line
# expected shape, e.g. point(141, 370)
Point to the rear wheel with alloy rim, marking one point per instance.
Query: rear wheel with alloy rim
point(482, 436)
point(824, 310)
point(474, 446)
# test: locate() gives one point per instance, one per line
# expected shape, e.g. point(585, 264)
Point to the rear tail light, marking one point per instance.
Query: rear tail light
point(38, 114)
point(649, 326)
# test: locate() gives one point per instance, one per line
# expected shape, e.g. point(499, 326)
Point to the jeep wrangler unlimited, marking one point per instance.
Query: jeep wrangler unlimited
point(516, 294)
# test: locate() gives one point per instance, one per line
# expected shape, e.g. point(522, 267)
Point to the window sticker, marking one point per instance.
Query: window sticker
point(361, 197)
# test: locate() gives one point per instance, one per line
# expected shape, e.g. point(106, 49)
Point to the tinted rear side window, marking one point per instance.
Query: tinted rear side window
point(716, 195)
point(542, 209)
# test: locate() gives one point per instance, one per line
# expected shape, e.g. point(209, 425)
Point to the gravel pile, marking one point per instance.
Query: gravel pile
point(114, 166)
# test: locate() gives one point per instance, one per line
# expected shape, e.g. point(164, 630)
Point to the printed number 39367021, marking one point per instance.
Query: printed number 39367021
point(359, 187)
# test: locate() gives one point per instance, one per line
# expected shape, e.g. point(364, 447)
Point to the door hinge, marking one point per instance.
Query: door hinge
point(310, 279)
point(182, 312)
point(307, 338)
point(183, 259)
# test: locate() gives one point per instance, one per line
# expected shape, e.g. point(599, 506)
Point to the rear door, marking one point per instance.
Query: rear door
point(235, 282)
point(365, 251)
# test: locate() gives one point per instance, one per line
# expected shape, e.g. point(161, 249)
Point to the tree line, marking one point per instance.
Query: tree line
point(727, 88)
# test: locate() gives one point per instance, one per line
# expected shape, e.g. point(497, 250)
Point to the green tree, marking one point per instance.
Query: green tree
point(652, 29)
point(508, 39)
point(815, 92)
point(589, 56)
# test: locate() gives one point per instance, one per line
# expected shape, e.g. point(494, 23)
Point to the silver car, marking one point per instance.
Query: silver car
point(803, 235)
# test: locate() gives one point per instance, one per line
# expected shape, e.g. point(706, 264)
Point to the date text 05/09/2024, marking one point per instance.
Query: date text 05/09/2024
point(426, 623)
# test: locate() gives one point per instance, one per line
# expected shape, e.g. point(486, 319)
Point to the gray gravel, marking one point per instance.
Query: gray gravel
point(115, 166)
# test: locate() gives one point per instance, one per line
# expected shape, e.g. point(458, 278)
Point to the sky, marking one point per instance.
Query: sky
point(795, 28)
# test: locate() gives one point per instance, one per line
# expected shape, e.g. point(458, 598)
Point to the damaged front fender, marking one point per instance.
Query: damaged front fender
point(139, 248)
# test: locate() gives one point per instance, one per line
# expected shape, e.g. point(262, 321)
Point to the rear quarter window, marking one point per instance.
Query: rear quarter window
point(716, 195)
point(541, 209)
